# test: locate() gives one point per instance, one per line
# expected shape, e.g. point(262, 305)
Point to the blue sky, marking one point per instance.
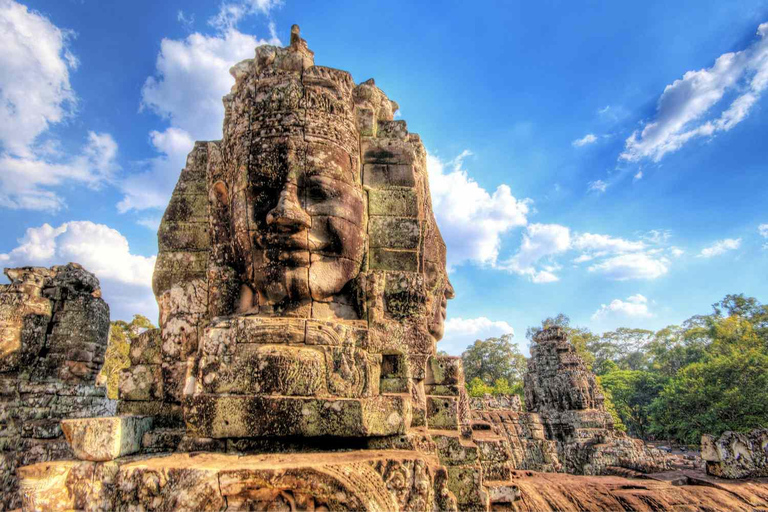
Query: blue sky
point(606, 160)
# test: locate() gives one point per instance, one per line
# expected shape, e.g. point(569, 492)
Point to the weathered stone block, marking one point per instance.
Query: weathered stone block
point(165, 414)
point(466, 483)
point(393, 129)
point(394, 232)
point(446, 370)
point(396, 202)
point(146, 348)
point(388, 259)
point(383, 176)
point(100, 439)
point(453, 449)
point(141, 382)
point(442, 412)
point(219, 416)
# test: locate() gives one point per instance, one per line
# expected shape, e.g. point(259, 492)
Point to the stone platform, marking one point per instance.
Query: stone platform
point(387, 480)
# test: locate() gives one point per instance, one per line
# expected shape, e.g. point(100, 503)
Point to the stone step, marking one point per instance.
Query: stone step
point(500, 491)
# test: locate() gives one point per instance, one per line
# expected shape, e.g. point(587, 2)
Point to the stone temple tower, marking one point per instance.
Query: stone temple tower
point(302, 286)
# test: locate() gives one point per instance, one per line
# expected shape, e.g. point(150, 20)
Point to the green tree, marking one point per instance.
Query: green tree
point(494, 358)
point(632, 392)
point(478, 388)
point(624, 346)
point(611, 408)
point(726, 392)
point(116, 358)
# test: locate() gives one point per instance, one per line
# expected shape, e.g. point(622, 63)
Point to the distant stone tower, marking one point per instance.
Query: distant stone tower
point(565, 394)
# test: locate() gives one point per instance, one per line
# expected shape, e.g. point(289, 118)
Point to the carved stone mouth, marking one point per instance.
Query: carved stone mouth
point(284, 242)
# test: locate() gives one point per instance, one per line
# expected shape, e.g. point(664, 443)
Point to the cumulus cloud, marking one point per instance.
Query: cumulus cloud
point(26, 181)
point(720, 247)
point(600, 243)
point(693, 106)
point(638, 176)
point(35, 93)
point(192, 75)
point(230, 13)
point(126, 278)
point(34, 76)
point(598, 186)
point(540, 241)
point(763, 230)
point(589, 138)
point(635, 306)
point(632, 266)
point(461, 332)
point(472, 220)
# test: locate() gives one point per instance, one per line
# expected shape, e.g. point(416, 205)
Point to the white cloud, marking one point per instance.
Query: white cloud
point(35, 93)
point(187, 21)
point(471, 219)
point(589, 138)
point(25, 181)
point(635, 306)
point(684, 109)
point(34, 76)
point(598, 186)
point(151, 223)
point(230, 13)
point(676, 251)
point(638, 176)
point(192, 75)
point(763, 230)
point(720, 247)
point(539, 241)
point(594, 242)
point(460, 332)
point(632, 266)
point(126, 278)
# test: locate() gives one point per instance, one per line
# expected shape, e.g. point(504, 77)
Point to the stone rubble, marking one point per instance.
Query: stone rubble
point(736, 455)
point(54, 328)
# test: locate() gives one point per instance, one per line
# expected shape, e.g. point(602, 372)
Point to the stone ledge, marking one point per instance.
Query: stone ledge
point(218, 416)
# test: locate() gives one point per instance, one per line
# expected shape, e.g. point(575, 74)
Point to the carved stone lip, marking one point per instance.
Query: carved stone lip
point(284, 242)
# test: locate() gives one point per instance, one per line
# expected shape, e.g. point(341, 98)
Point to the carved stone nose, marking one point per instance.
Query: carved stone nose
point(288, 212)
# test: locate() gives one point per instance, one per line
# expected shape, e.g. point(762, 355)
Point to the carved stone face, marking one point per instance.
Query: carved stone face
point(437, 322)
point(303, 211)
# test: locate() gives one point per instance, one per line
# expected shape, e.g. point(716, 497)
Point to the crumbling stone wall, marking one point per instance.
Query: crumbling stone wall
point(736, 455)
point(529, 447)
point(561, 389)
point(54, 328)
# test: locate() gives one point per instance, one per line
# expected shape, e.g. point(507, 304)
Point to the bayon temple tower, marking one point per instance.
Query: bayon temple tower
point(302, 286)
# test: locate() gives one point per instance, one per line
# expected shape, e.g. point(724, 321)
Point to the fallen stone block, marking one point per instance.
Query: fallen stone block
point(102, 439)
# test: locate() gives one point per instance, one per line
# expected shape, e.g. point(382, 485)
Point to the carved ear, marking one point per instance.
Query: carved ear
point(220, 190)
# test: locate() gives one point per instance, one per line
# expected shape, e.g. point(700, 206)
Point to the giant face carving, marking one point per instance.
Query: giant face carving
point(299, 229)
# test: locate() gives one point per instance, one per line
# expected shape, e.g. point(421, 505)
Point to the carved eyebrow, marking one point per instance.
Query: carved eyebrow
point(343, 177)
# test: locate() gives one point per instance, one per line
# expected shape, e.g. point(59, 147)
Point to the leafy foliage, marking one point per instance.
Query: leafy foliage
point(121, 334)
point(493, 359)
point(707, 375)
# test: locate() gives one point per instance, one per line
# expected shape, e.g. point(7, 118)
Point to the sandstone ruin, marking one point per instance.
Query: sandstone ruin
point(53, 333)
point(559, 387)
point(736, 455)
point(302, 288)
